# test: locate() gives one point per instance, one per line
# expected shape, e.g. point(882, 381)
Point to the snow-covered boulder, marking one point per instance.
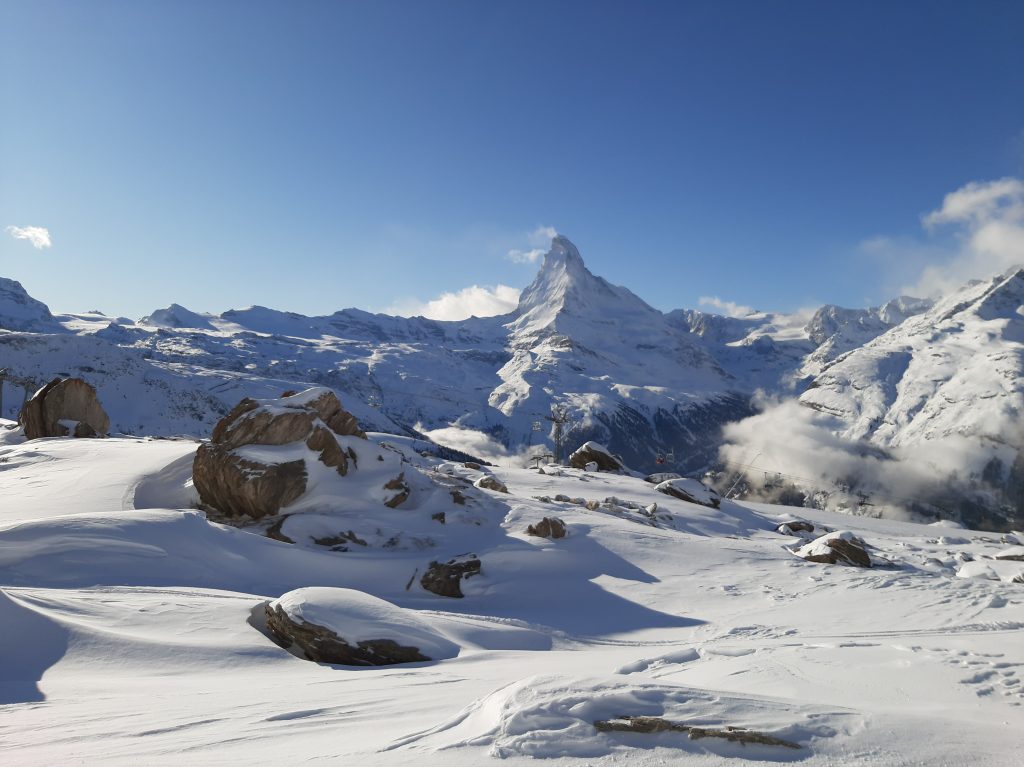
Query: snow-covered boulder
point(690, 490)
point(332, 625)
point(255, 463)
point(592, 452)
point(840, 547)
point(549, 527)
point(1012, 554)
point(661, 476)
point(489, 482)
point(64, 407)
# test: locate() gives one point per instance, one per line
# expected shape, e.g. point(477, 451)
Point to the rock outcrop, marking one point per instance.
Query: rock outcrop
point(592, 452)
point(840, 547)
point(489, 482)
point(549, 527)
point(335, 625)
point(235, 477)
point(691, 491)
point(444, 578)
point(64, 407)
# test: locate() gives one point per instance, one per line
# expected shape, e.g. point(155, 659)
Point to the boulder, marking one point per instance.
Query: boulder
point(1012, 554)
point(690, 490)
point(840, 547)
point(236, 480)
point(64, 407)
point(794, 527)
point(444, 578)
point(549, 527)
point(661, 476)
point(592, 452)
point(333, 625)
point(489, 482)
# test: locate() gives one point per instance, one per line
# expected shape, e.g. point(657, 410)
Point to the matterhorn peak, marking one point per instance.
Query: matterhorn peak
point(564, 286)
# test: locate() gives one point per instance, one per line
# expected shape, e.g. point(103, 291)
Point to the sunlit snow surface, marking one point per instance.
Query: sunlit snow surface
point(131, 630)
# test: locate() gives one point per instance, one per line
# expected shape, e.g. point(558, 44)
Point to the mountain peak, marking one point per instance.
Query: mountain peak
point(565, 287)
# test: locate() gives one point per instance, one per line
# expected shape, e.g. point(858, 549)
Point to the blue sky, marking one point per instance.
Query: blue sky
point(312, 156)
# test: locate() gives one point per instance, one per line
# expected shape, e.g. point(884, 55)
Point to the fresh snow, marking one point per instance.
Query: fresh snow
point(133, 628)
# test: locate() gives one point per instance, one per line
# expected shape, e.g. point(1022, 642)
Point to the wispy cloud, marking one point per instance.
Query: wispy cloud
point(977, 233)
point(539, 240)
point(39, 236)
point(476, 300)
point(728, 308)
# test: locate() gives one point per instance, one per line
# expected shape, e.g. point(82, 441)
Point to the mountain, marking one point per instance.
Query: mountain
point(952, 376)
point(645, 383)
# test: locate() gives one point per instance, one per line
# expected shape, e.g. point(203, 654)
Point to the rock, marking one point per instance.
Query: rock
point(489, 482)
point(333, 625)
point(444, 578)
point(656, 724)
point(561, 498)
point(472, 465)
point(690, 490)
point(438, 517)
point(549, 527)
point(795, 526)
point(592, 452)
point(1012, 554)
point(274, 531)
point(592, 505)
point(64, 407)
point(661, 476)
point(841, 547)
point(238, 484)
point(401, 488)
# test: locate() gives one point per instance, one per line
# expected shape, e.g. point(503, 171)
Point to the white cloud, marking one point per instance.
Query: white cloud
point(39, 236)
point(539, 240)
point(988, 217)
point(728, 308)
point(476, 300)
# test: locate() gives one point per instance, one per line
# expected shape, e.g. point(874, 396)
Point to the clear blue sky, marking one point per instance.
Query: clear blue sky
point(312, 156)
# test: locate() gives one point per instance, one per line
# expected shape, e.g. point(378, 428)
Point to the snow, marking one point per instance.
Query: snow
point(133, 635)
point(357, 617)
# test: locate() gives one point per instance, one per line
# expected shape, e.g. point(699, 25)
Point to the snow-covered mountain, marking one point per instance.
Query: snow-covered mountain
point(643, 382)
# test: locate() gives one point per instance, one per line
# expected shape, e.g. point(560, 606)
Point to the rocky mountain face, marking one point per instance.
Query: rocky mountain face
point(646, 384)
point(952, 376)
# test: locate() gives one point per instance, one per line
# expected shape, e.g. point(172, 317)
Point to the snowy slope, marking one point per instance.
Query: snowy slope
point(134, 635)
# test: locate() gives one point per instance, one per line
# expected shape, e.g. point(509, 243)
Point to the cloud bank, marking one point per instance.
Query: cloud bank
point(474, 301)
point(39, 236)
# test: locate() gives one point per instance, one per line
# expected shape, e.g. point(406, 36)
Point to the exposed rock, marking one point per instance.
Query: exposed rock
point(235, 484)
point(1012, 554)
point(593, 452)
point(472, 465)
point(340, 541)
point(549, 527)
point(401, 487)
point(655, 724)
point(438, 517)
point(489, 482)
point(458, 497)
point(592, 505)
point(661, 476)
point(324, 645)
point(794, 526)
point(690, 490)
point(841, 547)
point(64, 407)
point(443, 578)
point(274, 531)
